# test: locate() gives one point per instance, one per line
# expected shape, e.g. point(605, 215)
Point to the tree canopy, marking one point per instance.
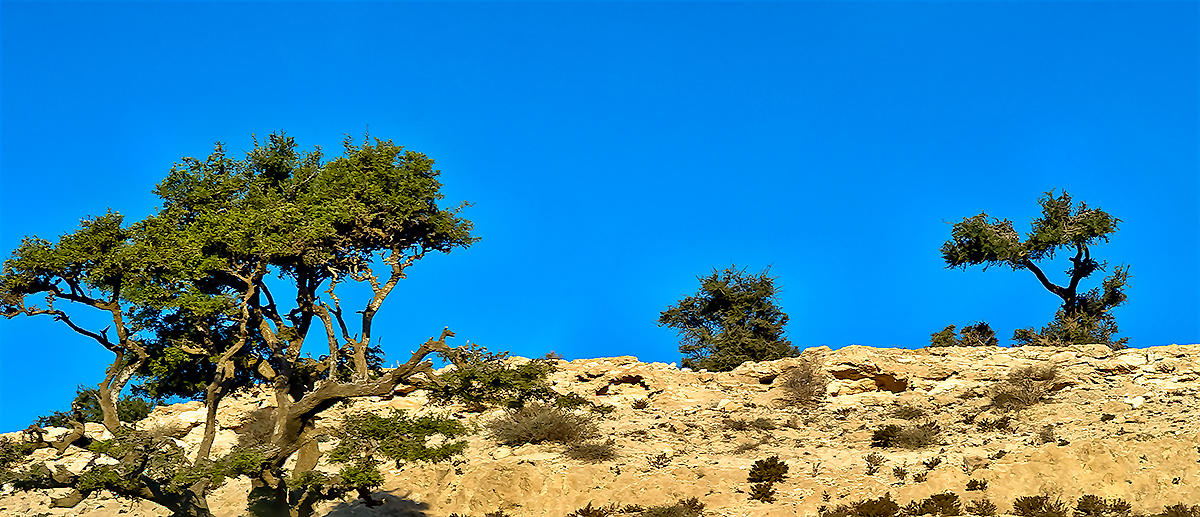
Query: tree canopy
point(1083, 317)
point(732, 319)
point(219, 290)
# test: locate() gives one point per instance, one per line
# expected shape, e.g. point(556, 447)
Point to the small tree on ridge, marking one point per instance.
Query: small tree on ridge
point(1083, 317)
point(732, 319)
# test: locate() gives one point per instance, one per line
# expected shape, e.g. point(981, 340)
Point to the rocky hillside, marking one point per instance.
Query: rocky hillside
point(1115, 424)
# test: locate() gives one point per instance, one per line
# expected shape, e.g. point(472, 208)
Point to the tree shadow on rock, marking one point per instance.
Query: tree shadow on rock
point(393, 506)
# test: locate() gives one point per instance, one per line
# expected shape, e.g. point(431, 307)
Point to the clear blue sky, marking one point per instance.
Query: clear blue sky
point(616, 151)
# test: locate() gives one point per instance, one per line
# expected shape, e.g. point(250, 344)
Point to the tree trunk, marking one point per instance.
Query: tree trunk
point(210, 425)
point(108, 408)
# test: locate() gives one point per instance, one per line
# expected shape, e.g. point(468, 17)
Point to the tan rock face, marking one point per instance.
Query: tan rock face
point(1120, 424)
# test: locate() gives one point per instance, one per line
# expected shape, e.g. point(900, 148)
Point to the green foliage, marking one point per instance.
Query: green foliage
point(188, 292)
point(732, 319)
point(362, 473)
point(937, 504)
point(364, 436)
point(769, 470)
point(977, 334)
point(29, 478)
point(1080, 327)
point(87, 406)
point(764, 492)
point(486, 379)
point(977, 484)
point(13, 451)
point(537, 423)
point(1083, 318)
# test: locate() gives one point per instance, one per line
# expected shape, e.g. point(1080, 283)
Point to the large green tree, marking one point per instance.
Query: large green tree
point(220, 289)
point(734, 318)
point(1084, 317)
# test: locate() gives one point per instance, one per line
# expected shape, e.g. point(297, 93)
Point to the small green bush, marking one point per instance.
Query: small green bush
point(764, 492)
point(13, 452)
point(537, 423)
point(769, 470)
point(977, 334)
point(641, 404)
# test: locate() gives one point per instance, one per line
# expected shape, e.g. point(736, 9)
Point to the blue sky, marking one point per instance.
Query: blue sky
point(615, 151)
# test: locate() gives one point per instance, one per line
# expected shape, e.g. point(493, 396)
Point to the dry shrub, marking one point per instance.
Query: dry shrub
point(592, 452)
point(805, 384)
point(256, 427)
point(1003, 423)
point(537, 422)
point(1046, 434)
point(881, 507)
point(769, 470)
point(764, 492)
point(683, 508)
point(977, 484)
point(1024, 387)
point(1040, 506)
point(1096, 506)
point(937, 504)
point(982, 507)
point(908, 412)
point(738, 424)
point(874, 461)
point(908, 436)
